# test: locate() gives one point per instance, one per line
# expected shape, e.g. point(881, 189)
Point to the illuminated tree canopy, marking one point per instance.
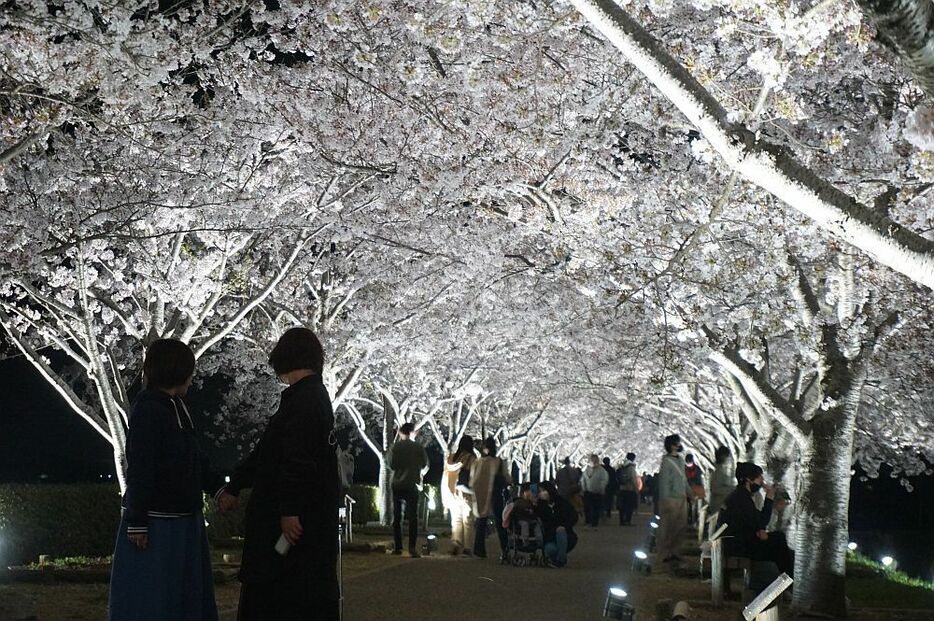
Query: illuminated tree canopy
point(577, 226)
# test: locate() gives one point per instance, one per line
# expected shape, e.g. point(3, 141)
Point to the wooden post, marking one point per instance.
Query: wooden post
point(716, 572)
point(701, 520)
point(768, 615)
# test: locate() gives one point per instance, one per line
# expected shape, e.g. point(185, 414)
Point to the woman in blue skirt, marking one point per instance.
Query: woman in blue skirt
point(161, 566)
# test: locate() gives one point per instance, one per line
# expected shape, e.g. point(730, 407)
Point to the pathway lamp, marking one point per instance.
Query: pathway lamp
point(889, 563)
point(852, 546)
point(640, 562)
point(617, 605)
point(653, 531)
point(431, 543)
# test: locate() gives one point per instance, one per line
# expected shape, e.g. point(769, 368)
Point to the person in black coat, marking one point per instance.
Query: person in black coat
point(161, 563)
point(558, 518)
point(746, 533)
point(296, 491)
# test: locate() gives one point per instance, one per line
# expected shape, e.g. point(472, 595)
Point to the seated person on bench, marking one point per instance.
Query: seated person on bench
point(746, 533)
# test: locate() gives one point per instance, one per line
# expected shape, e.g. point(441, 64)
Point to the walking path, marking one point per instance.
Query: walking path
point(468, 589)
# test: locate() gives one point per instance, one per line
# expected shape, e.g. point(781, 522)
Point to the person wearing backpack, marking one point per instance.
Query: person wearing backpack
point(457, 496)
point(629, 486)
point(489, 480)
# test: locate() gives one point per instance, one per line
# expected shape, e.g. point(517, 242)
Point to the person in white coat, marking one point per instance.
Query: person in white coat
point(593, 483)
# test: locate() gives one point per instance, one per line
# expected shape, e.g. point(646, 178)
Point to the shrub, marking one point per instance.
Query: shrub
point(81, 519)
point(59, 520)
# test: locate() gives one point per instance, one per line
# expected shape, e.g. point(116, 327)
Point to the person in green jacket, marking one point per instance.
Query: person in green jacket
point(673, 494)
point(409, 463)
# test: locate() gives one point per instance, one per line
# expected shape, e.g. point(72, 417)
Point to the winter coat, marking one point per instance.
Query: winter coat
point(722, 484)
point(560, 512)
point(451, 497)
point(167, 471)
point(293, 472)
point(409, 462)
point(611, 482)
point(568, 481)
point(483, 471)
point(743, 520)
point(594, 480)
point(628, 478)
point(671, 481)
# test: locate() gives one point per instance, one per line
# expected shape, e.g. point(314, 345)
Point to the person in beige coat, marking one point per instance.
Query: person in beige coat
point(489, 480)
point(458, 498)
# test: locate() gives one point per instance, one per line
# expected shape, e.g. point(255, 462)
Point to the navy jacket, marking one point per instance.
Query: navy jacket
point(293, 472)
point(166, 469)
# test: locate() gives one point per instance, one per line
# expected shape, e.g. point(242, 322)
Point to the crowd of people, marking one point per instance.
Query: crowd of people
point(161, 564)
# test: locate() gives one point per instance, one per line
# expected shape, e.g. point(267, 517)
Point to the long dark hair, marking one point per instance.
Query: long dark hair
point(722, 454)
point(465, 446)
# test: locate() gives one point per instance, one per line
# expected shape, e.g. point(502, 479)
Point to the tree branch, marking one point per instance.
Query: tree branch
point(766, 165)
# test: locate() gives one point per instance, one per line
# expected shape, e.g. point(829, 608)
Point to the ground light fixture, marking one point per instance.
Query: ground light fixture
point(640, 562)
point(852, 546)
point(888, 562)
point(653, 525)
point(617, 605)
point(766, 597)
point(431, 543)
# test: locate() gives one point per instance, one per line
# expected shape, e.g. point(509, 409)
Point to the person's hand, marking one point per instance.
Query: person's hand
point(140, 540)
point(291, 528)
point(770, 491)
point(762, 535)
point(227, 502)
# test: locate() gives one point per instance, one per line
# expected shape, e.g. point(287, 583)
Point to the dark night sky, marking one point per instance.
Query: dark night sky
point(39, 434)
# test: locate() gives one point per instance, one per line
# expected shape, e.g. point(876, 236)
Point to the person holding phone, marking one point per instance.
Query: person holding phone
point(289, 566)
point(161, 563)
point(746, 532)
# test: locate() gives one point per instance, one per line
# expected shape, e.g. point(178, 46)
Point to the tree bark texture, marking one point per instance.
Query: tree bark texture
point(821, 517)
point(907, 27)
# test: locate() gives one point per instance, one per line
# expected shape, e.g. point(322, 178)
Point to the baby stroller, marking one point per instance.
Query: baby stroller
point(526, 542)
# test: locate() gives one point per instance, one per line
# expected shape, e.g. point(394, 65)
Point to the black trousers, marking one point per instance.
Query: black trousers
point(627, 506)
point(407, 498)
point(593, 508)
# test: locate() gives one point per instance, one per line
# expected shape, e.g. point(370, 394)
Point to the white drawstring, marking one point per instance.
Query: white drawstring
point(177, 417)
point(185, 407)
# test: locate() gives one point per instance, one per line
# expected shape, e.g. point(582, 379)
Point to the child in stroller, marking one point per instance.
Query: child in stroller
point(524, 528)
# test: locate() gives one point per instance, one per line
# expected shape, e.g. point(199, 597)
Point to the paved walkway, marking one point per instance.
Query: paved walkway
point(468, 589)
point(441, 586)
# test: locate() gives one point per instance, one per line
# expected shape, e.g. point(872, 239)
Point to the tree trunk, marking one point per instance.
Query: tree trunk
point(384, 495)
point(385, 474)
point(821, 517)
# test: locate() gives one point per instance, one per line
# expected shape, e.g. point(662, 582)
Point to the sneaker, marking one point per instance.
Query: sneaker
point(413, 553)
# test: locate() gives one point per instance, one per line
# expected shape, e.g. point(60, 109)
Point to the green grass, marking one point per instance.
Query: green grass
point(870, 585)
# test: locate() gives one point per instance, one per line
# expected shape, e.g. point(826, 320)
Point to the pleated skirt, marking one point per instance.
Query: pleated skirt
point(171, 580)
